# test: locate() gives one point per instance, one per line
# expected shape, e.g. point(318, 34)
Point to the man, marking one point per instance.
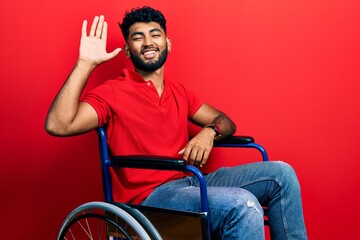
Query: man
point(146, 113)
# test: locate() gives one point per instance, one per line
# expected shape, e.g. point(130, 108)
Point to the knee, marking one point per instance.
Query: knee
point(234, 212)
point(239, 204)
point(244, 217)
point(285, 174)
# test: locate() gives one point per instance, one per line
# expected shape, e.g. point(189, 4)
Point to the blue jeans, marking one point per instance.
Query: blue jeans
point(236, 195)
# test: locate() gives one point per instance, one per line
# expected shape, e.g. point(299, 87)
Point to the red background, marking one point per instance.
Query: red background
point(287, 72)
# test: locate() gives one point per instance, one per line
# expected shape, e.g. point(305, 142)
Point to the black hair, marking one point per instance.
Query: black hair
point(144, 14)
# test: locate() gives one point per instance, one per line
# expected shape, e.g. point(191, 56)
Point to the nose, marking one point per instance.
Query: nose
point(148, 41)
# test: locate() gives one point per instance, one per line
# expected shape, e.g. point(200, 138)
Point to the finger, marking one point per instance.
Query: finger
point(181, 152)
point(194, 154)
point(104, 31)
point(93, 26)
point(83, 29)
point(205, 158)
point(186, 154)
point(114, 53)
point(199, 159)
point(99, 28)
point(193, 157)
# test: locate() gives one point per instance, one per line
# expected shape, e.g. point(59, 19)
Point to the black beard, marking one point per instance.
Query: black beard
point(151, 66)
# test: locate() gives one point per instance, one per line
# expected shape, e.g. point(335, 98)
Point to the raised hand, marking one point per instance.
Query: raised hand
point(93, 46)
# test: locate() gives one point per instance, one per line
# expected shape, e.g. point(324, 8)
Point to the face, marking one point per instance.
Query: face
point(147, 46)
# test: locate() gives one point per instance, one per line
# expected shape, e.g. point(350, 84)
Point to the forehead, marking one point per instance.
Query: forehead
point(144, 27)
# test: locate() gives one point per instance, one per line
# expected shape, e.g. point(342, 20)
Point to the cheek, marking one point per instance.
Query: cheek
point(134, 48)
point(162, 44)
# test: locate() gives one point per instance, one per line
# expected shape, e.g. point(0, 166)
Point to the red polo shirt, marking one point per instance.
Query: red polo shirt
point(140, 122)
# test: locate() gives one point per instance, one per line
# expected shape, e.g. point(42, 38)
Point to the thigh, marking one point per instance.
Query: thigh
point(259, 178)
point(184, 195)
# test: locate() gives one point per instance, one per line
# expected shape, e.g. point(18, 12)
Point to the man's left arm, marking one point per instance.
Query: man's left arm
point(215, 125)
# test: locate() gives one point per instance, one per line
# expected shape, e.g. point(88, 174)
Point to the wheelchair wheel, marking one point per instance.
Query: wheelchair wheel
point(100, 220)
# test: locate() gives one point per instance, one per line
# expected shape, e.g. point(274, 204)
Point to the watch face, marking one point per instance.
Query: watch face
point(217, 129)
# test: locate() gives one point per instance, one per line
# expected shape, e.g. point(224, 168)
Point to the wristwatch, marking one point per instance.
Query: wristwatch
point(216, 129)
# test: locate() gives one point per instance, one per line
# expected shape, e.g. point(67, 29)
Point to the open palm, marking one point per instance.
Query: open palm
point(93, 46)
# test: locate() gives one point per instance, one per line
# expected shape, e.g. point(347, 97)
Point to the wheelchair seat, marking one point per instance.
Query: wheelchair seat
point(147, 222)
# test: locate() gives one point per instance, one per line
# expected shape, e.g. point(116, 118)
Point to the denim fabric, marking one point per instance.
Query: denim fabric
point(236, 195)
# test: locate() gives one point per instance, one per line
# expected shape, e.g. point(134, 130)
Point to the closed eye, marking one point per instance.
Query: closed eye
point(137, 38)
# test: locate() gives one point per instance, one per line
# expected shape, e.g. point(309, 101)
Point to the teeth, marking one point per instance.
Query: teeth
point(149, 52)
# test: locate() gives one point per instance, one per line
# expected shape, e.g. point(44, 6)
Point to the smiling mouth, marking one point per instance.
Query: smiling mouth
point(149, 54)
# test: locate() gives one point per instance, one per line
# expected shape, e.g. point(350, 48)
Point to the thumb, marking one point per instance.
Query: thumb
point(115, 52)
point(181, 152)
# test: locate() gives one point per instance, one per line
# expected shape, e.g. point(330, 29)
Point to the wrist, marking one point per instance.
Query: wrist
point(209, 132)
point(86, 65)
point(215, 129)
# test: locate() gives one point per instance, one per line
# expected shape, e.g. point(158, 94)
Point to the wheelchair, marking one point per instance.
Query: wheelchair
point(117, 221)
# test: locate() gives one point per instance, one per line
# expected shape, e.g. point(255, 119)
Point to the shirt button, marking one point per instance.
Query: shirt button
point(148, 83)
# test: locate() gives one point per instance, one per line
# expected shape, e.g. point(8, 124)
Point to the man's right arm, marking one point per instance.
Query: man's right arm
point(67, 115)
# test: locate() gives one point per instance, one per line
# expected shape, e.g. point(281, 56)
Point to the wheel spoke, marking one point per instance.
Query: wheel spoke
point(99, 230)
point(85, 230)
point(89, 230)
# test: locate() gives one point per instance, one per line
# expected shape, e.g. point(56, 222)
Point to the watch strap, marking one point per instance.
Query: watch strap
point(216, 129)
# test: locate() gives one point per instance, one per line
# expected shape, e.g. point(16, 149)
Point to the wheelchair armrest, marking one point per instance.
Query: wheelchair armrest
point(149, 162)
point(241, 142)
point(235, 140)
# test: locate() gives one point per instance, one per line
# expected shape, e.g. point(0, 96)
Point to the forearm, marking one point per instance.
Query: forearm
point(66, 104)
point(226, 125)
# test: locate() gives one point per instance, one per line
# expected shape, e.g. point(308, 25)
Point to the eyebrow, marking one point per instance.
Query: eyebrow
point(155, 30)
point(142, 33)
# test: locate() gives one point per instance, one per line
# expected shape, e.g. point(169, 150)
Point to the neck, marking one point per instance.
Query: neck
point(157, 77)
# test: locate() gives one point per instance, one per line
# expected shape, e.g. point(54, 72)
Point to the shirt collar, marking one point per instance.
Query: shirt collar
point(138, 79)
point(134, 76)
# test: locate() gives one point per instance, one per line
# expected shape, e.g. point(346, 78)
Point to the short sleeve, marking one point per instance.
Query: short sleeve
point(101, 99)
point(195, 102)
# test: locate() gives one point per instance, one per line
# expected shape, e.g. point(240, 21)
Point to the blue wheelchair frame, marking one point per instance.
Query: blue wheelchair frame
point(165, 163)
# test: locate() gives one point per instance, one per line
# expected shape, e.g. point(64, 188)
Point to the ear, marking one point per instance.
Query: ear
point(168, 43)
point(127, 50)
